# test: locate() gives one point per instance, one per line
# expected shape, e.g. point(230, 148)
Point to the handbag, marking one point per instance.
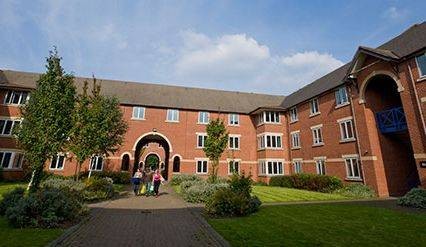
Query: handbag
point(151, 189)
point(143, 189)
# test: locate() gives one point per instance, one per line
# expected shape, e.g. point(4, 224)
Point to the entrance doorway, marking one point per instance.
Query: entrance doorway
point(153, 159)
point(383, 100)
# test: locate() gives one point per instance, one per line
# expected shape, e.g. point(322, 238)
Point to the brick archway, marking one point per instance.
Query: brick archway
point(152, 137)
point(389, 134)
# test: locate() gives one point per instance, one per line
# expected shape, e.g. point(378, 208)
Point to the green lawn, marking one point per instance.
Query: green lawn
point(5, 186)
point(324, 225)
point(280, 194)
point(23, 237)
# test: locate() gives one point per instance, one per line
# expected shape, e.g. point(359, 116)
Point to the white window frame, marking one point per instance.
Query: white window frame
point(320, 166)
point(341, 96)
point(171, 115)
point(345, 130)
point(12, 160)
point(295, 139)
point(137, 110)
point(272, 115)
point(297, 165)
point(203, 117)
point(262, 141)
point(201, 161)
point(293, 115)
point(231, 164)
point(422, 74)
point(264, 167)
point(203, 140)
point(234, 119)
point(234, 137)
point(21, 100)
point(57, 162)
point(15, 121)
point(96, 158)
point(314, 107)
point(352, 163)
point(317, 135)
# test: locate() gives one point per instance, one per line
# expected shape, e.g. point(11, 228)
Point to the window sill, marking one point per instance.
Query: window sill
point(342, 105)
point(295, 121)
point(201, 173)
point(234, 149)
point(318, 145)
point(268, 124)
point(137, 119)
point(202, 123)
point(353, 179)
point(347, 140)
point(296, 148)
point(169, 121)
point(233, 125)
point(51, 169)
point(315, 114)
point(14, 105)
point(199, 148)
point(422, 78)
point(8, 136)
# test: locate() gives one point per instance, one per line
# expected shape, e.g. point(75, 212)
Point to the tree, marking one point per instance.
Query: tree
point(98, 125)
point(215, 144)
point(46, 117)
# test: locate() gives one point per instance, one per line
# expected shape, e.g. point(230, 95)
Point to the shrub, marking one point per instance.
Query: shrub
point(260, 183)
point(199, 191)
point(180, 178)
point(281, 181)
point(121, 177)
point(356, 191)
point(73, 187)
point(11, 198)
point(305, 181)
point(98, 189)
point(46, 208)
point(234, 200)
point(415, 198)
point(226, 202)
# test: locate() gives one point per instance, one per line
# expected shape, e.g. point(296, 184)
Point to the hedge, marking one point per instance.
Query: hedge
point(305, 181)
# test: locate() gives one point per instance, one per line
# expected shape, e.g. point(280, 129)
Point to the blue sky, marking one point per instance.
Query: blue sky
point(264, 46)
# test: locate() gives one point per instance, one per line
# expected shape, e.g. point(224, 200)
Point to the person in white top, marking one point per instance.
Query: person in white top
point(136, 180)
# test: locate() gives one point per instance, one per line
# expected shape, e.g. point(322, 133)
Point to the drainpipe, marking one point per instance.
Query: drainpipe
point(289, 142)
point(417, 98)
point(358, 145)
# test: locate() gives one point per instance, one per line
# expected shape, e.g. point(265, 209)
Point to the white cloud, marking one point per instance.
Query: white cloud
point(394, 13)
point(239, 62)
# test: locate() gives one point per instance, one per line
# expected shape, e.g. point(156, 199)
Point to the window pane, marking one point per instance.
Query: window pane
point(2, 123)
point(23, 97)
point(18, 160)
point(1, 158)
point(270, 167)
point(53, 162)
point(421, 61)
point(99, 163)
point(268, 141)
point(204, 166)
point(8, 127)
point(8, 97)
point(6, 159)
point(15, 97)
point(60, 161)
point(237, 142)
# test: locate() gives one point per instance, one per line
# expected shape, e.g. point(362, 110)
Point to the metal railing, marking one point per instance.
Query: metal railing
point(392, 120)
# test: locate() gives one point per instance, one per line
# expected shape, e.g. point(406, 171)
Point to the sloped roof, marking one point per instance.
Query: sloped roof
point(410, 41)
point(156, 95)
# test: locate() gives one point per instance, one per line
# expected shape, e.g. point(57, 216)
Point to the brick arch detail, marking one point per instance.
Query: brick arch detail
point(371, 76)
point(153, 133)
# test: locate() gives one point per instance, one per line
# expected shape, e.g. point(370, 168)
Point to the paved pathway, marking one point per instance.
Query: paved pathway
point(141, 221)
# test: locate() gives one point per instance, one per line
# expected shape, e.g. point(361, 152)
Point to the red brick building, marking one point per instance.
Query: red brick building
point(364, 122)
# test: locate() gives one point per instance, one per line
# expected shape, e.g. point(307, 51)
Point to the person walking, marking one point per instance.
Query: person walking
point(136, 180)
point(148, 181)
point(157, 179)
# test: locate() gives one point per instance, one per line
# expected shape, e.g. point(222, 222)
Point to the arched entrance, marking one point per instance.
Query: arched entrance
point(152, 161)
point(382, 99)
point(140, 148)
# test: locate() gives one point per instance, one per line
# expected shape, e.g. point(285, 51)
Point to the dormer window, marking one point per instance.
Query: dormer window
point(16, 97)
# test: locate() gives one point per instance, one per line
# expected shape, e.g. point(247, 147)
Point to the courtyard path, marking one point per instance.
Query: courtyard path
point(141, 221)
